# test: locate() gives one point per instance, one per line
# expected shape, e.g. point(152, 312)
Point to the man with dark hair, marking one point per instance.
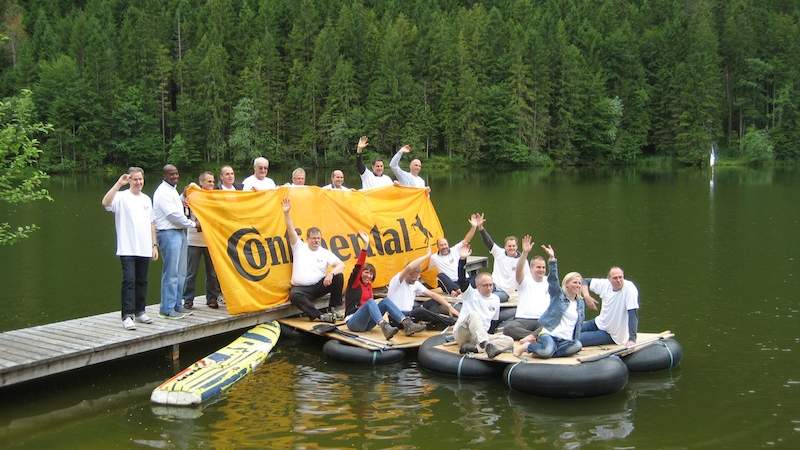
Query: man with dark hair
point(505, 262)
point(370, 178)
point(198, 250)
point(171, 223)
point(136, 242)
point(534, 297)
point(316, 271)
point(446, 259)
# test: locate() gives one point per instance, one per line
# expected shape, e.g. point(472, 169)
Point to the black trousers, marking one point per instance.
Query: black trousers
point(134, 284)
point(303, 296)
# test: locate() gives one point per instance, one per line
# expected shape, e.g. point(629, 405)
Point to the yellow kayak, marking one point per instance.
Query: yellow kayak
point(218, 371)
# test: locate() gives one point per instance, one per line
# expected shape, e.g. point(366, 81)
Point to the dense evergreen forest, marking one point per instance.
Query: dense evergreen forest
point(502, 82)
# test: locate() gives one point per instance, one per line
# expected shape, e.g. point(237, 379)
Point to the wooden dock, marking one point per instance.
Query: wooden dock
point(44, 350)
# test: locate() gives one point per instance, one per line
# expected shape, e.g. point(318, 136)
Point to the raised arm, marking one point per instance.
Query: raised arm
point(522, 262)
point(553, 288)
point(362, 258)
point(290, 231)
point(402, 176)
point(362, 143)
point(463, 280)
point(415, 264)
point(109, 197)
point(473, 226)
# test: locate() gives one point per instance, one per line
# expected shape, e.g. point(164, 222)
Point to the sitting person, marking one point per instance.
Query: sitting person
point(533, 297)
point(480, 308)
point(505, 262)
point(362, 312)
point(311, 277)
point(561, 321)
point(404, 288)
point(446, 259)
point(618, 320)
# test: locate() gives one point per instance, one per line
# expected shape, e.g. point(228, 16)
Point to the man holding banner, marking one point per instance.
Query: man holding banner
point(311, 278)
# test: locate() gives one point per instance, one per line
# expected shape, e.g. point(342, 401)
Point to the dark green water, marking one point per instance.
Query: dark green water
point(718, 267)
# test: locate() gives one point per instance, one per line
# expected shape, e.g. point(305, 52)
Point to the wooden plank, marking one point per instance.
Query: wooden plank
point(48, 338)
point(17, 354)
point(40, 342)
point(66, 335)
point(374, 335)
point(37, 348)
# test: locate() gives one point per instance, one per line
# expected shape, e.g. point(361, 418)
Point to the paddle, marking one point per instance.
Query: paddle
point(325, 328)
point(626, 350)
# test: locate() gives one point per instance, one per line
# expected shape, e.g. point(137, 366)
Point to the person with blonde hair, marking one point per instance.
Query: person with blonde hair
point(562, 321)
point(259, 181)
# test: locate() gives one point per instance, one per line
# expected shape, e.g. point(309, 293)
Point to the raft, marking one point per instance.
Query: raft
point(218, 371)
point(593, 371)
point(601, 377)
point(664, 354)
point(436, 358)
point(368, 347)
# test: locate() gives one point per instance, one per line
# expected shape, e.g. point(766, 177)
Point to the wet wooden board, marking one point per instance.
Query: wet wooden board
point(642, 341)
point(375, 336)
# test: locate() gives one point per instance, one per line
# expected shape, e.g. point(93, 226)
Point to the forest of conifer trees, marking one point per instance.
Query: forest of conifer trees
point(506, 82)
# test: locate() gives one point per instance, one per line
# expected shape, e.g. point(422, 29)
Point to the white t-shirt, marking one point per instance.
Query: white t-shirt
point(369, 180)
point(487, 308)
point(222, 187)
point(534, 297)
point(252, 183)
point(330, 186)
point(448, 264)
point(566, 328)
point(613, 318)
point(504, 272)
point(133, 216)
point(168, 211)
point(403, 294)
point(403, 177)
point(310, 266)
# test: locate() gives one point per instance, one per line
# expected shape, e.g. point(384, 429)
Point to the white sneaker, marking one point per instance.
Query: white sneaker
point(144, 318)
point(128, 324)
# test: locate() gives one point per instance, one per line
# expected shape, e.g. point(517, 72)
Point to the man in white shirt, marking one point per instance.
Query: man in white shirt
point(171, 224)
point(337, 180)
point(298, 178)
point(136, 243)
point(479, 307)
point(533, 298)
point(618, 321)
point(505, 262)
point(197, 250)
point(446, 259)
point(227, 179)
point(259, 181)
point(370, 178)
point(316, 271)
point(403, 290)
point(410, 178)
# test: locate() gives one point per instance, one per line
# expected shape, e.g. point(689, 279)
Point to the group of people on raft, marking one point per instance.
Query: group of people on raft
point(549, 320)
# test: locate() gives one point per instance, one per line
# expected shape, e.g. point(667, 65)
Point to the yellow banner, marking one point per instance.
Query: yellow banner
point(246, 235)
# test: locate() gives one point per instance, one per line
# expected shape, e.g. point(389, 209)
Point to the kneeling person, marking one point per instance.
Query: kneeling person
point(311, 277)
point(478, 309)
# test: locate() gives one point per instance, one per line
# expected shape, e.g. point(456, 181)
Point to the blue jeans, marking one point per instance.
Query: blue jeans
point(172, 244)
point(591, 335)
point(370, 313)
point(134, 284)
point(501, 294)
point(548, 346)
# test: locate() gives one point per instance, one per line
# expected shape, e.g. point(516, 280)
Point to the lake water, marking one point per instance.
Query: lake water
point(716, 265)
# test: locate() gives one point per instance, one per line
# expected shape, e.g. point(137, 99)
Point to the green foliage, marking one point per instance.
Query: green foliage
point(756, 146)
point(512, 82)
point(20, 179)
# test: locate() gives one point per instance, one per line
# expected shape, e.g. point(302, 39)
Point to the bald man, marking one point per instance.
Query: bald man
point(410, 178)
point(337, 180)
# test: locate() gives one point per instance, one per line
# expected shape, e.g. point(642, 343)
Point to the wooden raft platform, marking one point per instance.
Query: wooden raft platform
point(586, 353)
point(374, 335)
point(44, 350)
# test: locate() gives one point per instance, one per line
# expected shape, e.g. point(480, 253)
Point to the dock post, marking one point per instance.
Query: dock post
point(175, 356)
